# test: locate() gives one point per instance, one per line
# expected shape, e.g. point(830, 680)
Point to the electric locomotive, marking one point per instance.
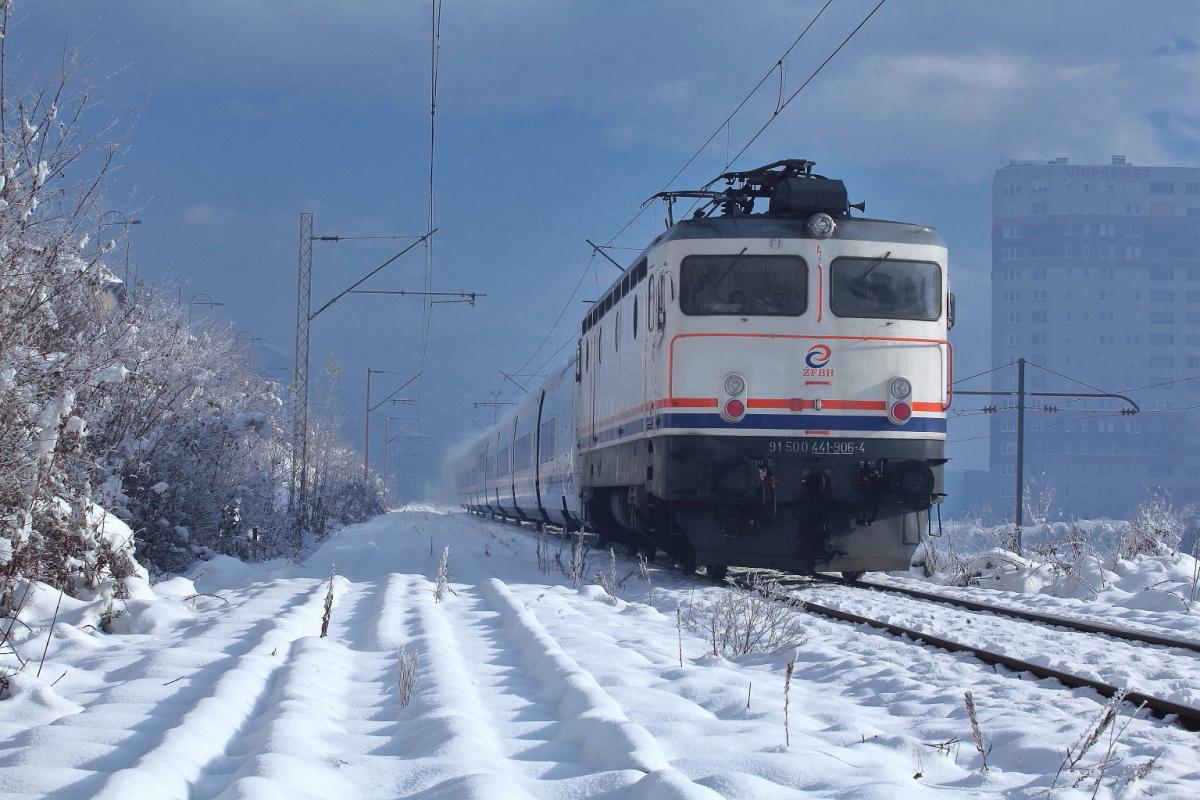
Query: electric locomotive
point(757, 389)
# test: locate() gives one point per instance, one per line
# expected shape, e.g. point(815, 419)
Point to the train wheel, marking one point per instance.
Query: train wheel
point(717, 572)
point(686, 562)
point(852, 575)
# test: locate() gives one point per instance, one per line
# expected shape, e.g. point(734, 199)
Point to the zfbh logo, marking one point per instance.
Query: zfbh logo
point(818, 356)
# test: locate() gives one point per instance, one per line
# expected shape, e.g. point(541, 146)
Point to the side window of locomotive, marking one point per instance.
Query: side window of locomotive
point(635, 315)
point(546, 443)
point(883, 288)
point(744, 285)
point(650, 304)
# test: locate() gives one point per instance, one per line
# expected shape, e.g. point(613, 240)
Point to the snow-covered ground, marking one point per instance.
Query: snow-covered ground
point(525, 688)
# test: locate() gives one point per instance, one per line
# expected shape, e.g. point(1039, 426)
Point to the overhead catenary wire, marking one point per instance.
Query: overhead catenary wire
point(435, 36)
point(803, 86)
point(779, 62)
point(778, 65)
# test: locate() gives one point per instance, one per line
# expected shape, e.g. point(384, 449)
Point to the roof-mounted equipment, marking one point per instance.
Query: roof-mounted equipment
point(791, 188)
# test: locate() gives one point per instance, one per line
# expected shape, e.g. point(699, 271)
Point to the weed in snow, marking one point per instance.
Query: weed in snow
point(407, 679)
point(1105, 721)
point(787, 687)
point(328, 608)
point(740, 621)
point(976, 731)
point(439, 591)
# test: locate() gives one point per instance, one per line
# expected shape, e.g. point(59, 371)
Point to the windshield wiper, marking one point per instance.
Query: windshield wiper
point(871, 268)
point(733, 264)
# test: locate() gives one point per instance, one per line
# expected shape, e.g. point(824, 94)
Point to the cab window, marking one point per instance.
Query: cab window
point(885, 288)
point(742, 284)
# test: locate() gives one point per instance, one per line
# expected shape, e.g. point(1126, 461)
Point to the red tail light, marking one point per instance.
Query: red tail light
point(899, 413)
point(734, 409)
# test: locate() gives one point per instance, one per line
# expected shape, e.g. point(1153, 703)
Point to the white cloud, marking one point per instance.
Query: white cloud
point(207, 215)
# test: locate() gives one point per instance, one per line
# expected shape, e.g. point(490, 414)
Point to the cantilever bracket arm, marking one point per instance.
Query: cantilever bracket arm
point(596, 248)
point(363, 279)
point(398, 390)
point(1112, 395)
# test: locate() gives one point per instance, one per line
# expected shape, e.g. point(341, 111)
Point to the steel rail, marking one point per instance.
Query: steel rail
point(1072, 623)
point(1187, 716)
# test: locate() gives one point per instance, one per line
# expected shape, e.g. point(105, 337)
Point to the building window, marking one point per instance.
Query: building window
point(1161, 339)
point(1162, 187)
point(1008, 253)
point(1039, 273)
point(1162, 317)
point(1162, 296)
point(1039, 208)
point(1010, 296)
point(1009, 232)
point(1038, 337)
point(1134, 229)
point(1037, 316)
point(1133, 251)
point(1010, 275)
point(1166, 274)
point(1012, 317)
point(1193, 296)
point(1191, 188)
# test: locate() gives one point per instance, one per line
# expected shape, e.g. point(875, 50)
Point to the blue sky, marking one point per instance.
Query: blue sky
point(555, 120)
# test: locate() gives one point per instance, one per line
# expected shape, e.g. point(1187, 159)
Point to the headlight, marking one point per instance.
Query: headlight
point(901, 388)
point(821, 225)
point(735, 384)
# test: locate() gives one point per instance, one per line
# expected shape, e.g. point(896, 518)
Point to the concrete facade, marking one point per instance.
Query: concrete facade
point(1096, 275)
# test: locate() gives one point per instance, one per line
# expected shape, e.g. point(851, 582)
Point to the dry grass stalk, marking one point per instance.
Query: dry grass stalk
point(407, 679)
point(976, 731)
point(787, 687)
point(679, 632)
point(1087, 740)
point(439, 591)
point(50, 635)
point(644, 571)
point(328, 608)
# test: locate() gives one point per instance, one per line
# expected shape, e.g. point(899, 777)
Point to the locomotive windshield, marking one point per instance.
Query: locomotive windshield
point(742, 284)
point(884, 288)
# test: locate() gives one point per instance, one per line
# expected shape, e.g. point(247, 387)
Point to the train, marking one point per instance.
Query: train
point(757, 389)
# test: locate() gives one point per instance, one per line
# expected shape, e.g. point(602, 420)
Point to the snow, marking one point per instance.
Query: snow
point(114, 374)
point(217, 684)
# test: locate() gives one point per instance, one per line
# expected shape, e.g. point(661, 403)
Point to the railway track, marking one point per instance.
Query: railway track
point(1187, 716)
point(1057, 620)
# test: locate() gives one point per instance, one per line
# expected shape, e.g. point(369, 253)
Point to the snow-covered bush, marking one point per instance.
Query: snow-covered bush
point(109, 399)
point(740, 621)
point(1155, 530)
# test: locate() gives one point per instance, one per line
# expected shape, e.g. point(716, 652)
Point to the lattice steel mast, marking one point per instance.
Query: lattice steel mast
point(298, 488)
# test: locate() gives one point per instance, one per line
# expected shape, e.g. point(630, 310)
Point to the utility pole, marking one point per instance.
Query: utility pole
point(1019, 513)
point(298, 487)
point(369, 409)
point(1021, 394)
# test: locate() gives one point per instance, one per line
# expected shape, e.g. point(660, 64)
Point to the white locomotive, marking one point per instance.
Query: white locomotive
point(756, 389)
